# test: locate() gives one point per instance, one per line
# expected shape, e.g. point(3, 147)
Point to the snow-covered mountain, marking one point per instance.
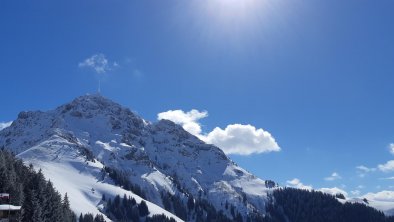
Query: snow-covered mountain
point(74, 142)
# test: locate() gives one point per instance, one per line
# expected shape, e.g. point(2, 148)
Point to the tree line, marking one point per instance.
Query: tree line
point(42, 203)
point(127, 209)
point(39, 200)
point(296, 205)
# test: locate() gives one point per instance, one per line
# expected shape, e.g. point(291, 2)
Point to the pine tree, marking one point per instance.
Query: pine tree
point(32, 208)
point(53, 204)
point(135, 215)
point(37, 215)
point(143, 209)
point(30, 190)
point(68, 214)
point(99, 218)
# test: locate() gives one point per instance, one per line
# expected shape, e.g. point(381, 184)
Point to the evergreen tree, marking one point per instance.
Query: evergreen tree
point(32, 208)
point(99, 218)
point(68, 214)
point(29, 189)
point(143, 209)
point(308, 206)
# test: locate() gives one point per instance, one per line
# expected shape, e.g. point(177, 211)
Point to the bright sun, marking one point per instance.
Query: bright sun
point(235, 7)
point(233, 11)
point(230, 22)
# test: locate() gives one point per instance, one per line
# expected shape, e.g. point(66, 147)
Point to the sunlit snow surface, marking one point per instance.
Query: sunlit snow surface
point(159, 157)
point(82, 180)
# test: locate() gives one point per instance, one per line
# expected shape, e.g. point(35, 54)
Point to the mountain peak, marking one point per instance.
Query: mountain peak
point(93, 96)
point(94, 101)
point(90, 105)
point(161, 157)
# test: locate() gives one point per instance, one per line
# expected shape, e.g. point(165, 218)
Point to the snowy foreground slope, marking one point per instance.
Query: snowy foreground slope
point(82, 180)
point(161, 157)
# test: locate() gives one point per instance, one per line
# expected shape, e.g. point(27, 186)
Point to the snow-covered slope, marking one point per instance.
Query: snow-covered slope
point(160, 157)
point(82, 180)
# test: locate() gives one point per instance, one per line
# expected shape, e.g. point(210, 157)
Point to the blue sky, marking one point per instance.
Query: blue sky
point(317, 75)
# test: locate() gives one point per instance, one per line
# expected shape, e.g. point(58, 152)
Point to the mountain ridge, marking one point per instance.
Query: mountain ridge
point(161, 157)
point(93, 147)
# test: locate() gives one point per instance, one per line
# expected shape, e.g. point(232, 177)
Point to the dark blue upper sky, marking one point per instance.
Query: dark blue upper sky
point(317, 75)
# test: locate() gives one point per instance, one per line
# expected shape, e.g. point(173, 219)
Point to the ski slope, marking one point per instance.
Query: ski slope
point(82, 180)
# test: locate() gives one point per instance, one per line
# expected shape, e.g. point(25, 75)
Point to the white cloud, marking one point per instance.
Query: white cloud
point(387, 178)
point(234, 139)
point(384, 195)
point(296, 183)
point(4, 125)
point(383, 200)
point(355, 193)
point(99, 63)
point(365, 169)
point(362, 170)
point(333, 191)
point(242, 139)
point(391, 147)
point(334, 176)
point(387, 167)
point(188, 120)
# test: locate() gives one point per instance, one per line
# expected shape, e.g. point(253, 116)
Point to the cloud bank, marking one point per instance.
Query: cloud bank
point(188, 120)
point(384, 195)
point(334, 191)
point(296, 183)
point(391, 147)
point(233, 139)
point(242, 139)
point(383, 200)
point(4, 125)
point(387, 167)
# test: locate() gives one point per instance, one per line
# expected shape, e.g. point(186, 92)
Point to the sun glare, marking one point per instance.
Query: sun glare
point(230, 20)
point(227, 13)
point(234, 8)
